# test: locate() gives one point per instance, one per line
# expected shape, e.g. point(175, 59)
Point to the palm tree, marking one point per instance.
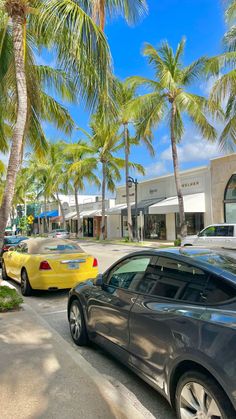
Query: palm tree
point(169, 97)
point(50, 173)
point(2, 179)
point(124, 95)
point(132, 10)
point(81, 167)
point(81, 48)
point(224, 89)
point(17, 11)
point(107, 142)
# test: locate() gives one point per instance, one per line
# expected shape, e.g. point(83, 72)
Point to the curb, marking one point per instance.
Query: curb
point(127, 408)
point(6, 284)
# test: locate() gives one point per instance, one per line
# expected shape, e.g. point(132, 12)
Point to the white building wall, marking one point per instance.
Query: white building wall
point(114, 226)
point(170, 227)
point(193, 181)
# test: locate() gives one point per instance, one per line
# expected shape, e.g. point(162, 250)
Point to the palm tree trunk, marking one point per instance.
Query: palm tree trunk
point(129, 215)
point(79, 229)
point(102, 14)
point(45, 216)
point(18, 133)
point(62, 211)
point(183, 226)
point(103, 227)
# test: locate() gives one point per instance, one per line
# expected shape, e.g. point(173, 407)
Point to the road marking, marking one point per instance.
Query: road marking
point(56, 312)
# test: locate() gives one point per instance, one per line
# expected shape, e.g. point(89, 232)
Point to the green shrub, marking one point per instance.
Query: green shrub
point(177, 242)
point(9, 299)
point(126, 239)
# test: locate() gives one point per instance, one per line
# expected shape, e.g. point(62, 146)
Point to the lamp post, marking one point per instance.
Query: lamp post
point(131, 181)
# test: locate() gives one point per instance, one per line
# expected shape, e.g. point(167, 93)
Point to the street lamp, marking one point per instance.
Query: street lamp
point(130, 182)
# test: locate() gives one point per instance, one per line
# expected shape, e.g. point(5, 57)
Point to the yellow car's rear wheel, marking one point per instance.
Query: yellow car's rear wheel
point(5, 277)
point(25, 286)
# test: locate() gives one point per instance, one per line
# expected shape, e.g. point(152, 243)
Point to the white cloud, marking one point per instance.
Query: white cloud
point(156, 169)
point(195, 151)
point(164, 139)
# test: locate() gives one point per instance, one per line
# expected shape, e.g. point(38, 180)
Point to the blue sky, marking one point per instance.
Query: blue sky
point(202, 23)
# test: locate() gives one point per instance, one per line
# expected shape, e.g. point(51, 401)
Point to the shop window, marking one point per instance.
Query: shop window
point(155, 227)
point(195, 222)
point(230, 200)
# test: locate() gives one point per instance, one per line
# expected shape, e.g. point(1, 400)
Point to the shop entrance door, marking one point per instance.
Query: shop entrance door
point(90, 227)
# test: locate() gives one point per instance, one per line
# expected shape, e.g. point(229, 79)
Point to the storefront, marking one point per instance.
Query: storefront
point(230, 200)
point(155, 227)
point(209, 194)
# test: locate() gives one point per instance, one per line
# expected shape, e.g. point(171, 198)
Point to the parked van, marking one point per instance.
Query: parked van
point(215, 235)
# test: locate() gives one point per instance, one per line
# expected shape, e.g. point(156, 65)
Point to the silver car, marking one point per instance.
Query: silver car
point(169, 315)
point(60, 233)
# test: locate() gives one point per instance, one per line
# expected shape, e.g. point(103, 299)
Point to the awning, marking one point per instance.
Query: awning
point(48, 214)
point(57, 219)
point(116, 210)
point(192, 203)
point(88, 214)
point(141, 206)
point(70, 215)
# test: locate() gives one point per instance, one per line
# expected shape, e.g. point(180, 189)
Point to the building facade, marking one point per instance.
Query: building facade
point(209, 197)
point(90, 217)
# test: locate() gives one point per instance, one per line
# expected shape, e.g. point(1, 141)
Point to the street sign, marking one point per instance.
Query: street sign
point(30, 219)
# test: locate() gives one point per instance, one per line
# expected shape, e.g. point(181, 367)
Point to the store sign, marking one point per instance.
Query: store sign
point(151, 191)
point(131, 194)
point(188, 185)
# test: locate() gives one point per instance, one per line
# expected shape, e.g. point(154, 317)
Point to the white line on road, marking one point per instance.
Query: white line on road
point(55, 312)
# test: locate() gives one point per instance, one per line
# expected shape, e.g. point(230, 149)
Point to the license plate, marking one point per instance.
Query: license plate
point(73, 265)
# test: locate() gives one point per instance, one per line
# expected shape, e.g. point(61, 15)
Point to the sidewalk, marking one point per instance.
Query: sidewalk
point(44, 377)
point(155, 244)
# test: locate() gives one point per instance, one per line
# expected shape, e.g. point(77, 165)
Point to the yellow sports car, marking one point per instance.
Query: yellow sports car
point(48, 264)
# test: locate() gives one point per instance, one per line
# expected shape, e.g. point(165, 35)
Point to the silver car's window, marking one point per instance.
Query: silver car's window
point(172, 278)
point(218, 291)
point(129, 272)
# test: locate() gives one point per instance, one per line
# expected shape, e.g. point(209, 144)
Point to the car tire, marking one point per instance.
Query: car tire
point(77, 324)
point(5, 277)
point(25, 286)
point(194, 393)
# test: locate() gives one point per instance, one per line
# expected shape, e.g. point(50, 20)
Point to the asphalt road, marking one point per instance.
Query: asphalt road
point(52, 308)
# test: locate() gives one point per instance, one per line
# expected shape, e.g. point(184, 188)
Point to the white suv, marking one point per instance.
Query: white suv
point(215, 235)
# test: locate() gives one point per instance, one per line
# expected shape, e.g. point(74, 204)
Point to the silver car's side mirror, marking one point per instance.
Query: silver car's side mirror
point(98, 280)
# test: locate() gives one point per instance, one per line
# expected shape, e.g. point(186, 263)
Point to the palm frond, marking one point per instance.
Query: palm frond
point(57, 82)
point(228, 136)
point(80, 46)
point(52, 111)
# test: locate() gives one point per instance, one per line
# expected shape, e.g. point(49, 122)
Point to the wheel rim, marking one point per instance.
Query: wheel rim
point(75, 321)
point(197, 403)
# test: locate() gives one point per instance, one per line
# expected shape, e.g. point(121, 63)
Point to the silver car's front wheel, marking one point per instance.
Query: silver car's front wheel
point(198, 396)
point(77, 324)
point(75, 321)
point(196, 402)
